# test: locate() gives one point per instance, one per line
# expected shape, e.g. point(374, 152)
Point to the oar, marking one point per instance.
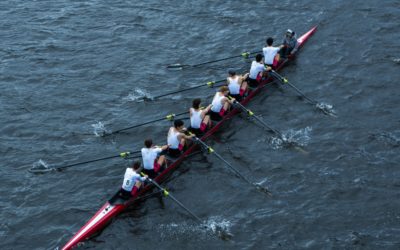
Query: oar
point(210, 84)
point(169, 117)
point(178, 65)
point(326, 110)
point(251, 114)
point(168, 194)
point(211, 150)
point(265, 125)
point(122, 155)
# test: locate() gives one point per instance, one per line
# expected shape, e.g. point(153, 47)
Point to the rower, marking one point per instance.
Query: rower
point(199, 120)
point(152, 160)
point(237, 85)
point(290, 44)
point(220, 104)
point(257, 71)
point(271, 56)
point(132, 181)
point(177, 139)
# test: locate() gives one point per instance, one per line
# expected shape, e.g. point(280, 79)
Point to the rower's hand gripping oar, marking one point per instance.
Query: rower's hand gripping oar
point(237, 172)
point(47, 169)
point(326, 109)
point(181, 66)
point(222, 234)
point(169, 117)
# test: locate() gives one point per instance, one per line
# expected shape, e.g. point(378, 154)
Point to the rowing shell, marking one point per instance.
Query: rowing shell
point(109, 211)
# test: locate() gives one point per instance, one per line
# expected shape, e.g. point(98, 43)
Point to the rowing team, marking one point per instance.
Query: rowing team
point(153, 157)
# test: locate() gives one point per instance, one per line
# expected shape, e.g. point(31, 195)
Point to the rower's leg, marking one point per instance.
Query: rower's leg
point(136, 188)
point(161, 161)
point(227, 105)
point(243, 88)
point(207, 120)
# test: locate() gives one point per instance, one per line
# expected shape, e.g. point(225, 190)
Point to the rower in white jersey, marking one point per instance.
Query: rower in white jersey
point(132, 181)
point(199, 120)
point(152, 160)
point(220, 104)
point(237, 85)
point(271, 55)
point(177, 139)
point(257, 71)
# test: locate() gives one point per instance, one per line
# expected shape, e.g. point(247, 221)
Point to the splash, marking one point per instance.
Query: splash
point(299, 137)
point(99, 129)
point(396, 60)
point(40, 166)
point(326, 108)
point(138, 95)
point(214, 225)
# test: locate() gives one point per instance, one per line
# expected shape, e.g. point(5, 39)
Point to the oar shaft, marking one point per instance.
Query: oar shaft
point(174, 199)
point(209, 84)
point(100, 159)
point(227, 58)
point(168, 117)
point(284, 80)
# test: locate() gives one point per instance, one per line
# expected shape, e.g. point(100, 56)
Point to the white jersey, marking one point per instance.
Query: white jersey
point(130, 179)
point(234, 85)
point(269, 54)
point(172, 139)
point(148, 157)
point(255, 69)
point(217, 102)
point(195, 118)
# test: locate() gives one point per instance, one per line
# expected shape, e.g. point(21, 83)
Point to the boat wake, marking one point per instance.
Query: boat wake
point(99, 129)
point(299, 137)
point(326, 108)
point(138, 95)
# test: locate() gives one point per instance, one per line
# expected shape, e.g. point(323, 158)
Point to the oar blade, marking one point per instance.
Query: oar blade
point(262, 189)
point(177, 66)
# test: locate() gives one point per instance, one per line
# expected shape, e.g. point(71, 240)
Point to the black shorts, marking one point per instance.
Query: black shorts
point(150, 172)
point(174, 152)
point(215, 116)
point(237, 97)
point(124, 194)
point(253, 83)
point(196, 131)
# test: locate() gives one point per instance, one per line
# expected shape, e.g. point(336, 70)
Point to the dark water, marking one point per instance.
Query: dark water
point(68, 65)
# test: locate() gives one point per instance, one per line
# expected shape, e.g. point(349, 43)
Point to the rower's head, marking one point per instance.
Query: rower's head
point(148, 143)
point(259, 57)
point(224, 90)
point(270, 41)
point(289, 33)
point(231, 72)
point(136, 165)
point(196, 103)
point(178, 124)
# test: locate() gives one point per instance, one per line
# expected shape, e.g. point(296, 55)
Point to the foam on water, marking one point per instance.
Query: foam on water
point(138, 95)
point(326, 108)
point(40, 164)
point(99, 129)
point(217, 225)
point(299, 137)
